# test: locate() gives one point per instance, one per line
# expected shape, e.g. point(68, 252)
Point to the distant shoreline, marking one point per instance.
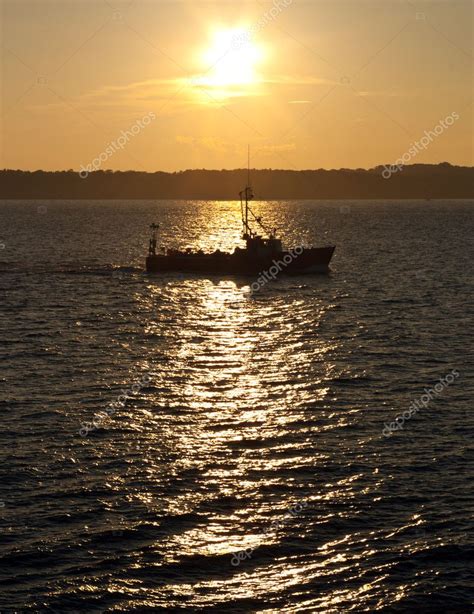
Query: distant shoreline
point(414, 182)
point(228, 200)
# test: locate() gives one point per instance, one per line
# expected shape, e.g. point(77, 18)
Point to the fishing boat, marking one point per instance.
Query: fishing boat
point(262, 254)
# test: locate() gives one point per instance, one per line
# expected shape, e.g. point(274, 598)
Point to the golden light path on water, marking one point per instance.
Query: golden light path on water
point(240, 367)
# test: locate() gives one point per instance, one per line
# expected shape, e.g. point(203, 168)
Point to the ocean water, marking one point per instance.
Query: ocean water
point(180, 443)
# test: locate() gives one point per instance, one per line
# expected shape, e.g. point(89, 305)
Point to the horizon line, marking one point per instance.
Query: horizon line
point(242, 169)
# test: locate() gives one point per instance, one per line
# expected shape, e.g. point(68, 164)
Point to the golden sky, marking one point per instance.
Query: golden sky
point(307, 83)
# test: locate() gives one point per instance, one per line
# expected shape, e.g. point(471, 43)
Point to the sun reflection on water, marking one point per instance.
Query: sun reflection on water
point(242, 385)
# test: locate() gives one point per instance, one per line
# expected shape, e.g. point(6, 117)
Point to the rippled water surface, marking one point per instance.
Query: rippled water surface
point(243, 467)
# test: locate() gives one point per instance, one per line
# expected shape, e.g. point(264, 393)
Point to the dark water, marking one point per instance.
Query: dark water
point(247, 470)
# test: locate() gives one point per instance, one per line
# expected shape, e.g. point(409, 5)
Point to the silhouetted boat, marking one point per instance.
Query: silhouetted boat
point(259, 256)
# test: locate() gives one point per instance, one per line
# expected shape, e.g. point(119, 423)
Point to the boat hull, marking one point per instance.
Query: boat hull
point(308, 261)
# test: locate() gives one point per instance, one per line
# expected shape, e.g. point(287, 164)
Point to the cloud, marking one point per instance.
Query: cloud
point(269, 150)
point(173, 95)
point(163, 96)
point(228, 146)
point(210, 143)
point(384, 94)
point(298, 80)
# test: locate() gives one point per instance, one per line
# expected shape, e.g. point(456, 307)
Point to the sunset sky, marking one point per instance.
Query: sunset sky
point(315, 84)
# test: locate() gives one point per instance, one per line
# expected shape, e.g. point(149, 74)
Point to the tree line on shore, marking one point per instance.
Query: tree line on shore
point(415, 181)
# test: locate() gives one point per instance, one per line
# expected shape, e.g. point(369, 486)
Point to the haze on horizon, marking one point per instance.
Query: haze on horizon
point(339, 84)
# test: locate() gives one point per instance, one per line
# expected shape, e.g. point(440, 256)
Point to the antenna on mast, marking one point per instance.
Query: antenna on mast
point(248, 165)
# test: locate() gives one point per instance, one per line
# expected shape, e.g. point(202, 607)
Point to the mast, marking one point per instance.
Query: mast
point(247, 194)
point(247, 190)
point(152, 243)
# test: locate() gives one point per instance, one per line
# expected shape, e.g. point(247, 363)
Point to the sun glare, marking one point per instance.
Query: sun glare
point(231, 59)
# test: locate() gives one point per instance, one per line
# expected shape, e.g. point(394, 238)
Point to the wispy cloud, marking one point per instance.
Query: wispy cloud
point(270, 150)
point(384, 94)
point(176, 94)
point(228, 146)
point(298, 80)
point(210, 143)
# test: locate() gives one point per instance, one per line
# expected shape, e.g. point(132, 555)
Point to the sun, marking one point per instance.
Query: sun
point(232, 59)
